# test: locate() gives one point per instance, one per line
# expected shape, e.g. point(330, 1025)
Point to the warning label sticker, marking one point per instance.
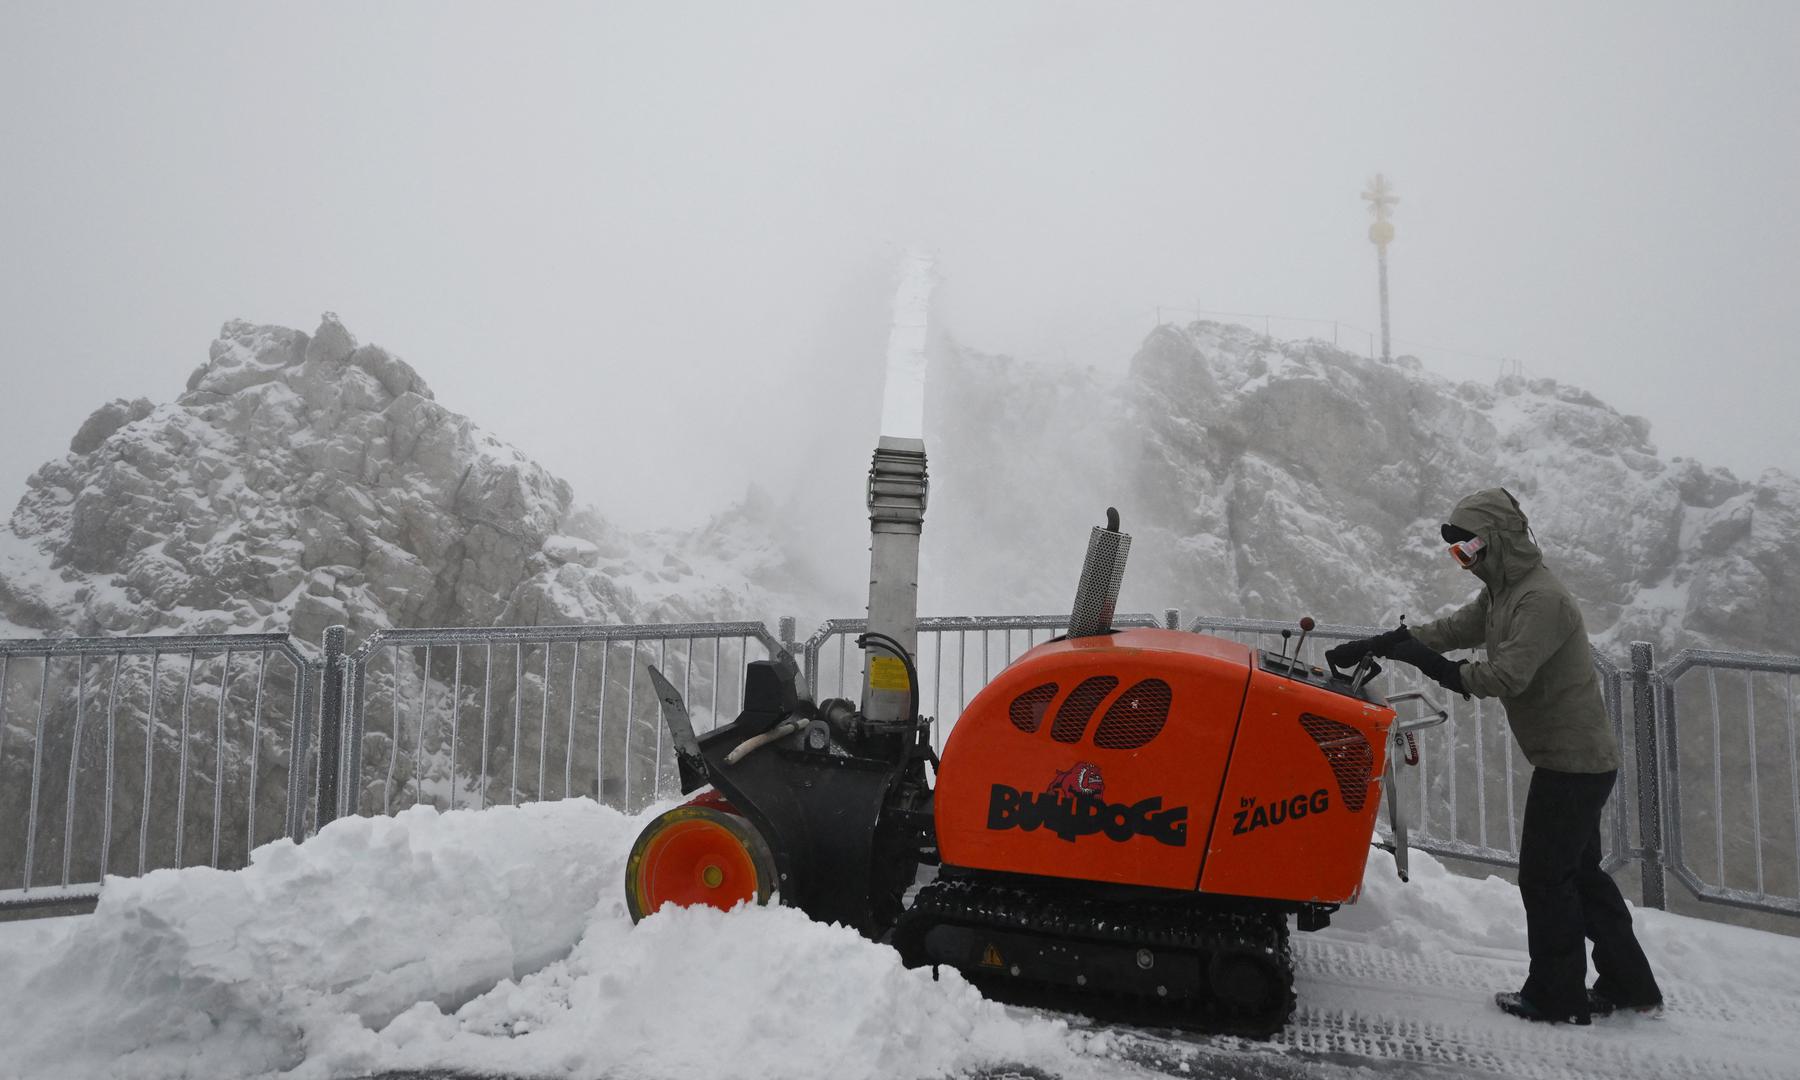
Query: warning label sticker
point(990, 957)
point(888, 673)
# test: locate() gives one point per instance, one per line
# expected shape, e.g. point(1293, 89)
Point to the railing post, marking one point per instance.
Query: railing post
point(1172, 618)
point(1649, 775)
point(300, 749)
point(331, 724)
point(784, 631)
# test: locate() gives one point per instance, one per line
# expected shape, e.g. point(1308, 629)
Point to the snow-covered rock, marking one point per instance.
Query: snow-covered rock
point(306, 480)
point(571, 549)
point(1272, 479)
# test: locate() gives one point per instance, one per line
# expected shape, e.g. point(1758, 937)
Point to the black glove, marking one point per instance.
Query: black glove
point(1347, 654)
point(1437, 667)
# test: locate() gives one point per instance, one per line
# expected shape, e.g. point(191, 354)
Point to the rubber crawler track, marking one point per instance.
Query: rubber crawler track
point(1071, 917)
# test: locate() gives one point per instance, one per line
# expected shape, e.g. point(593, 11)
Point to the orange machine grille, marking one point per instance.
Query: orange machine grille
point(1028, 709)
point(1348, 753)
point(1072, 719)
point(1136, 718)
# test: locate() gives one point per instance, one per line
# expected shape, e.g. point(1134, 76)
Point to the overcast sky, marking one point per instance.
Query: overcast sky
point(624, 236)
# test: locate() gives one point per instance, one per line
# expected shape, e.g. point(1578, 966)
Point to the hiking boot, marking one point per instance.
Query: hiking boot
point(1516, 1004)
point(1601, 1005)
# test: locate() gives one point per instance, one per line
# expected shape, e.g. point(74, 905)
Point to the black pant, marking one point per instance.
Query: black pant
point(1568, 898)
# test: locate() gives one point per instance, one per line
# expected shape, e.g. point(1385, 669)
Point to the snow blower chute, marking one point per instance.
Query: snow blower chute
point(1124, 820)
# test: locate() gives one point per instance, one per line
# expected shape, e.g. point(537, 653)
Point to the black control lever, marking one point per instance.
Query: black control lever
point(1366, 670)
point(1306, 627)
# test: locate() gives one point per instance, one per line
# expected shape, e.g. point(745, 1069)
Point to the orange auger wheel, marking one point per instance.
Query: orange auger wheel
point(698, 853)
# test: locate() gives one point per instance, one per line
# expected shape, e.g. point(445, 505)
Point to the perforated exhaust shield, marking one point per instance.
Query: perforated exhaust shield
point(1349, 754)
point(1097, 597)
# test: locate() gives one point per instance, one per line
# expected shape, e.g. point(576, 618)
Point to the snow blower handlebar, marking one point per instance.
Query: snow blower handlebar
point(1402, 734)
point(1437, 714)
point(1404, 730)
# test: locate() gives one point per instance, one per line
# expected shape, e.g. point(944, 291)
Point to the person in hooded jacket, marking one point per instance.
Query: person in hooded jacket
point(1541, 668)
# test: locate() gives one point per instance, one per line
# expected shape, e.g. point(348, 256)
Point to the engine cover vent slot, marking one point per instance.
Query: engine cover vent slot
point(1349, 754)
point(1072, 719)
point(1136, 717)
point(1028, 709)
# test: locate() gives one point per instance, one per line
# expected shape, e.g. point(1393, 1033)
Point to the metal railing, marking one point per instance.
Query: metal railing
point(465, 708)
point(212, 727)
point(109, 717)
point(1720, 823)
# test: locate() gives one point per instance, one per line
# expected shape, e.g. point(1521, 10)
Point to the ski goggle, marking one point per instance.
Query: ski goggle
point(1465, 552)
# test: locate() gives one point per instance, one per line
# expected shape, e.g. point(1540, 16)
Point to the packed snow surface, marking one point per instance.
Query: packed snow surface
point(497, 942)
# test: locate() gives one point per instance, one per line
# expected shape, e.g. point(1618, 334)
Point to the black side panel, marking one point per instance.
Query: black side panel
point(819, 804)
point(819, 813)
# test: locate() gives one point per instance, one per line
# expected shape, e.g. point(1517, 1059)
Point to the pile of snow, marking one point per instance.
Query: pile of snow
point(494, 940)
point(763, 992)
point(207, 971)
point(497, 943)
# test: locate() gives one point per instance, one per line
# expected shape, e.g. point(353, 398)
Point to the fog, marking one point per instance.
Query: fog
point(653, 245)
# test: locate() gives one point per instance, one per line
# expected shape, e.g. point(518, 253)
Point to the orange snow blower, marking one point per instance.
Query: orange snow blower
point(1124, 821)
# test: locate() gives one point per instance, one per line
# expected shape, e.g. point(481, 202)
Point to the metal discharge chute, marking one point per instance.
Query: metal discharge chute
point(897, 493)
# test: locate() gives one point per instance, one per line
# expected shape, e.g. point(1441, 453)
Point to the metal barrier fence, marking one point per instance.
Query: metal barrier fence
point(107, 720)
point(466, 718)
point(1721, 787)
point(513, 691)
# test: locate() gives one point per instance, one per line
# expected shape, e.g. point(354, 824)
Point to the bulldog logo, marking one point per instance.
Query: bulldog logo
point(1074, 805)
point(1081, 778)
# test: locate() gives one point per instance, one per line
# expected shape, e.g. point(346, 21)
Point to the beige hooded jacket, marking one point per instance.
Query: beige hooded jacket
point(1538, 661)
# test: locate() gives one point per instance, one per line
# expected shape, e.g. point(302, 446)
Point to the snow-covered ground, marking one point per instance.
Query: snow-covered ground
point(497, 942)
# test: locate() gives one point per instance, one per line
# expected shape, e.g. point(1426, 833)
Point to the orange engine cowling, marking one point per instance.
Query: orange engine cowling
point(1166, 759)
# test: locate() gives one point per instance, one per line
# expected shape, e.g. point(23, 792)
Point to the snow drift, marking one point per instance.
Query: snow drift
point(497, 942)
point(493, 940)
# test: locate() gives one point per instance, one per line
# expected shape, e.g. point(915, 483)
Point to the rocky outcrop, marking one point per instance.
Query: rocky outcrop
point(306, 480)
point(1270, 479)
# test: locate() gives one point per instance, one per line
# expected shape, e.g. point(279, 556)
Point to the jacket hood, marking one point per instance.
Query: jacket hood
point(1494, 515)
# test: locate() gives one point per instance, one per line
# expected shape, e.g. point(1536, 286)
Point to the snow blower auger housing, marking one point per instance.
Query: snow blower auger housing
point(813, 803)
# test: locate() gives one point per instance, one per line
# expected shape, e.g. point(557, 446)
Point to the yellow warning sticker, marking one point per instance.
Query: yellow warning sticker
point(991, 958)
point(888, 673)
